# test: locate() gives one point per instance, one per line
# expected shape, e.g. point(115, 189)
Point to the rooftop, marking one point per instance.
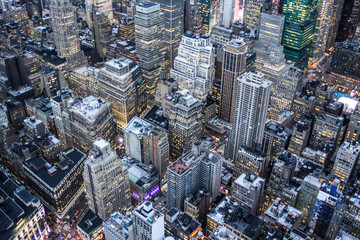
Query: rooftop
point(119, 223)
point(222, 233)
point(52, 176)
point(155, 116)
point(249, 180)
point(90, 222)
point(16, 204)
point(90, 107)
point(237, 217)
point(147, 213)
point(141, 174)
point(283, 213)
point(182, 221)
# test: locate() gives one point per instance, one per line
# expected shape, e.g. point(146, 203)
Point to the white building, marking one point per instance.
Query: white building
point(252, 101)
point(345, 161)
point(248, 190)
point(197, 168)
point(147, 143)
point(119, 227)
point(194, 67)
point(149, 223)
point(106, 181)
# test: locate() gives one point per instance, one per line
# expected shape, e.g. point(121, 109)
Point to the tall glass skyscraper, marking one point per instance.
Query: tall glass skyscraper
point(149, 38)
point(300, 21)
point(174, 27)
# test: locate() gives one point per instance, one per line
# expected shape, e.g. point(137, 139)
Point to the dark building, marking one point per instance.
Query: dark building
point(57, 186)
point(180, 225)
point(16, 72)
point(349, 18)
point(346, 59)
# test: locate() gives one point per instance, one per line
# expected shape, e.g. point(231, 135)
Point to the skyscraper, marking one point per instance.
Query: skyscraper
point(334, 25)
point(116, 81)
point(147, 143)
point(322, 29)
point(345, 161)
point(102, 32)
point(252, 100)
point(174, 27)
point(300, 20)
point(103, 6)
point(197, 168)
point(66, 33)
point(149, 38)
point(185, 123)
point(284, 92)
point(106, 181)
point(234, 65)
point(87, 120)
point(270, 59)
point(226, 13)
point(350, 17)
point(192, 18)
point(194, 66)
point(252, 9)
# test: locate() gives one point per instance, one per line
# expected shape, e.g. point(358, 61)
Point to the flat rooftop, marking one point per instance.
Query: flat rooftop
point(155, 116)
point(90, 222)
point(52, 176)
point(16, 204)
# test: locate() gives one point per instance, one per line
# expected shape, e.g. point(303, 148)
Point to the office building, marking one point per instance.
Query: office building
point(59, 103)
point(328, 129)
point(353, 130)
point(346, 58)
point(185, 122)
point(22, 215)
point(194, 65)
point(90, 227)
point(48, 181)
point(303, 104)
point(324, 208)
point(248, 191)
point(349, 19)
point(117, 85)
point(197, 205)
point(148, 222)
point(205, 8)
point(86, 120)
point(106, 181)
point(119, 227)
point(34, 127)
point(192, 17)
point(276, 138)
point(149, 44)
point(252, 9)
point(307, 195)
point(301, 136)
point(197, 168)
point(66, 31)
point(300, 20)
point(102, 30)
point(252, 100)
point(147, 143)
point(250, 227)
point(284, 92)
point(345, 161)
point(322, 30)
point(180, 225)
point(270, 59)
point(283, 216)
point(174, 27)
point(234, 65)
point(334, 25)
point(250, 160)
point(104, 7)
point(144, 180)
